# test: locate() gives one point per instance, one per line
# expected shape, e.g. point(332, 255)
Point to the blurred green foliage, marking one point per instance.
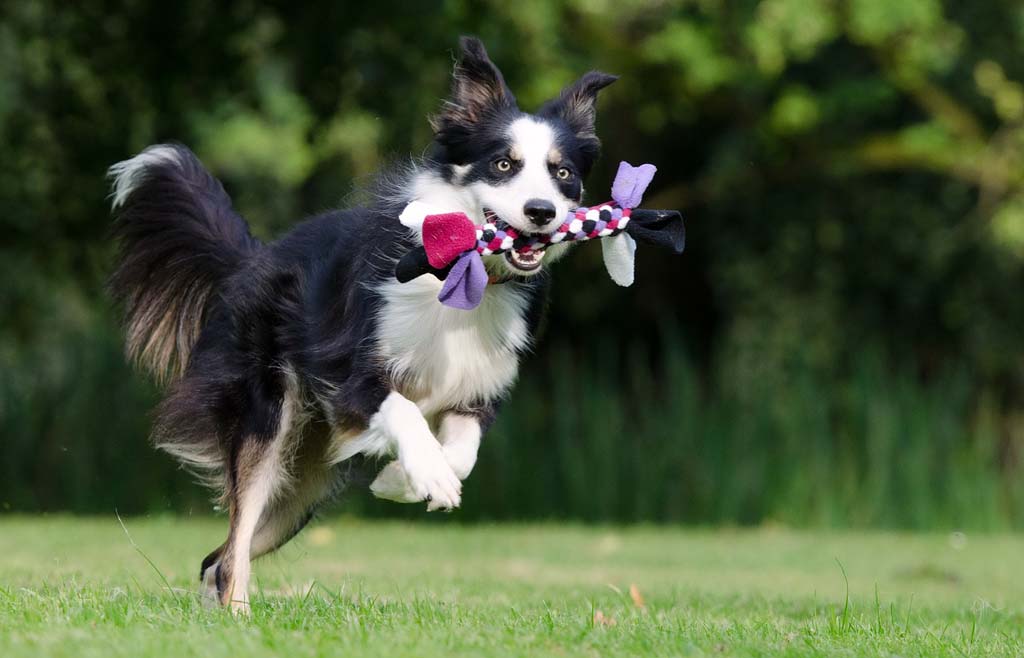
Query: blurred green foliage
point(841, 343)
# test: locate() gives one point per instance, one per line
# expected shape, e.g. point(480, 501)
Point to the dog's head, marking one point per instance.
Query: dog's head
point(525, 168)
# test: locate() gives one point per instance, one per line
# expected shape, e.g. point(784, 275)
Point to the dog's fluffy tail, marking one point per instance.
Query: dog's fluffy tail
point(179, 238)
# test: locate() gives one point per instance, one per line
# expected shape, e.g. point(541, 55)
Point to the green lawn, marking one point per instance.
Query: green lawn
point(77, 587)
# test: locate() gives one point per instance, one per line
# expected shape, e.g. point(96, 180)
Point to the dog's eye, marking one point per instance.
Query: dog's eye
point(503, 165)
point(563, 173)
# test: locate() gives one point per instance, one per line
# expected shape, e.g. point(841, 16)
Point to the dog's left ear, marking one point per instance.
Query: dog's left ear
point(576, 104)
point(478, 88)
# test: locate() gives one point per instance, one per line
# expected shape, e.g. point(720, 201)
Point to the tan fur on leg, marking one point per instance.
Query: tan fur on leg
point(259, 473)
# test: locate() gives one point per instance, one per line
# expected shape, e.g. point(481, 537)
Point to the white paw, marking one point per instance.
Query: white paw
point(430, 476)
point(239, 605)
point(210, 597)
point(392, 484)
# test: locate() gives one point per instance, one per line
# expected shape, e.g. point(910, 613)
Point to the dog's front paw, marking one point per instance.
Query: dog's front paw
point(392, 484)
point(416, 480)
point(431, 478)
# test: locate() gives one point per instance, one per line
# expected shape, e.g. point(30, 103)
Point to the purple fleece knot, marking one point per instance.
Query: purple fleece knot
point(630, 183)
point(464, 286)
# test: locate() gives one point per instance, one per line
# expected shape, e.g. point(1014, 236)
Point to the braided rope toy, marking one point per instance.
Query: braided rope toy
point(453, 246)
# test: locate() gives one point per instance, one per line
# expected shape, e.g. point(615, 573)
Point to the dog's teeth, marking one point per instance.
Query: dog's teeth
point(526, 260)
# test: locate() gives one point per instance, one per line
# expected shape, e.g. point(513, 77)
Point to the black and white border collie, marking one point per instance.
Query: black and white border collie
point(286, 363)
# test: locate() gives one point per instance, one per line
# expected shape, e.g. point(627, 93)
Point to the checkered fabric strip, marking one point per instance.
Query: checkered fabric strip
point(599, 221)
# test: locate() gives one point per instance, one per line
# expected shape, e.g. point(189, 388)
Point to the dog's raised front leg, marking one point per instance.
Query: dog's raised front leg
point(421, 471)
point(459, 436)
point(460, 440)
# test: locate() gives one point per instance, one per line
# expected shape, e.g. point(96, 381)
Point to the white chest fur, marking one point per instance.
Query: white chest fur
point(446, 357)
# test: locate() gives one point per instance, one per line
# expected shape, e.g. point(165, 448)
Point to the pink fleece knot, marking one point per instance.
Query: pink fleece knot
point(446, 236)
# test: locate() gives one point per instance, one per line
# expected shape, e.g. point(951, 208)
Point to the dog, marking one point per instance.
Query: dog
point(287, 363)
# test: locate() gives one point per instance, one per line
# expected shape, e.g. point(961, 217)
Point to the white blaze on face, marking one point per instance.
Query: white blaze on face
point(534, 149)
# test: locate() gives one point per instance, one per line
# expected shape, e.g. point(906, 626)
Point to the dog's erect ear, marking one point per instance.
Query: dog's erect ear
point(477, 88)
point(576, 104)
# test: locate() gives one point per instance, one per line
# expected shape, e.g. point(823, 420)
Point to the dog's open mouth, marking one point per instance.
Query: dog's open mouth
point(520, 261)
point(528, 261)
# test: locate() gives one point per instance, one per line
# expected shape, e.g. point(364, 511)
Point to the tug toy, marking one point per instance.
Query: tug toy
point(453, 246)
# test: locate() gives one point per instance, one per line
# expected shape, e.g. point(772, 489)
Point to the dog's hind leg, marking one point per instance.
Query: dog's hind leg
point(311, 485)
point(280, 521)
point(257, 472)
point(310, 481)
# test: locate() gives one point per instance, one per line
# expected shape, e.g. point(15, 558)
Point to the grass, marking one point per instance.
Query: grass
point(78, 587)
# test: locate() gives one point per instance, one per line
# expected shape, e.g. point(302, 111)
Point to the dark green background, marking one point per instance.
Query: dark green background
point(840, 345)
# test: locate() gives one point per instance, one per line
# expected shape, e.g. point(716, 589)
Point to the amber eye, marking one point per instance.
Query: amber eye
point(503, 165)
point(563, 173)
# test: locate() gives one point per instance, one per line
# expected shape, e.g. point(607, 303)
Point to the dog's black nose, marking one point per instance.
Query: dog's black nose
point(539, 211)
